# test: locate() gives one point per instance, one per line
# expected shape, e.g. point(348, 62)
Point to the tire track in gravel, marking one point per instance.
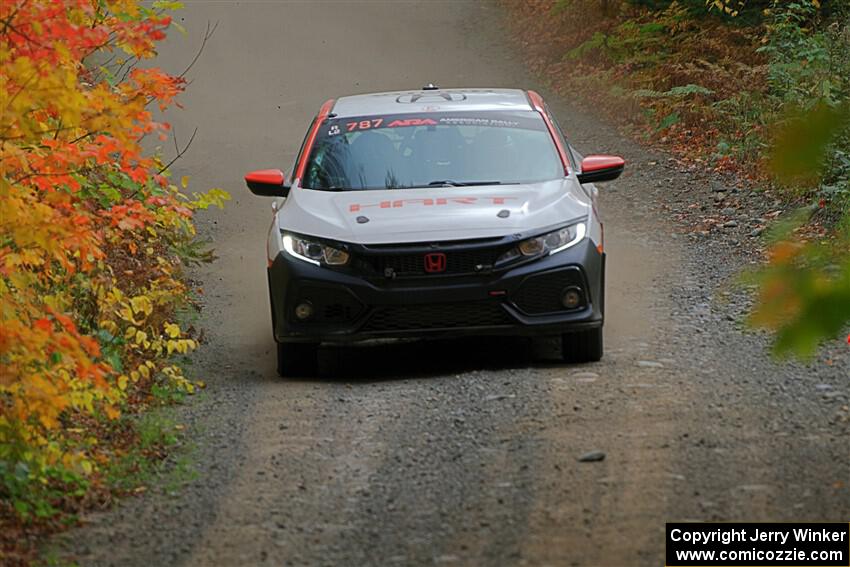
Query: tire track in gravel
point(616, 407)
point(303, 451)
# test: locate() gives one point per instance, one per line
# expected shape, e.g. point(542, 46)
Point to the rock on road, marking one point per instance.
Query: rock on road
point(463, 452)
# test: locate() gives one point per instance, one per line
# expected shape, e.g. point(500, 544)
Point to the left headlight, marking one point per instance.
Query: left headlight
point(314, 252)
point(549, 243)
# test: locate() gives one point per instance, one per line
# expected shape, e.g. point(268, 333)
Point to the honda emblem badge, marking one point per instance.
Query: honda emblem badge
point(435, 262)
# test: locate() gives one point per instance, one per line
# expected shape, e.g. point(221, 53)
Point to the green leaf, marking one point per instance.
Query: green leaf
point(675, 92)
point(652, 28)
point(801, 147)
point(113, 357)
point(668, 121)
point(108, 195)
point(22, 508)
point(167, 5)
point(689, 90)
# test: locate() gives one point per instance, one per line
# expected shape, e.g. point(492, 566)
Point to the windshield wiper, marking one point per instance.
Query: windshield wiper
point(450, 183)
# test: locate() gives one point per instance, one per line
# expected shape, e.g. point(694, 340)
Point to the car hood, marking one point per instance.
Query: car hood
point(433, 213)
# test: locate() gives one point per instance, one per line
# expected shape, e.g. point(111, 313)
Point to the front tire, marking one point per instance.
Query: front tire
point(297, 359)
point(582, 346)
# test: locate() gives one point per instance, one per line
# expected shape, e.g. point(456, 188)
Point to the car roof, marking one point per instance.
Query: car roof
point(431, 99)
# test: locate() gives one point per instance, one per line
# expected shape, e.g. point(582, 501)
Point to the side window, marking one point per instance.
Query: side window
point(554, 121)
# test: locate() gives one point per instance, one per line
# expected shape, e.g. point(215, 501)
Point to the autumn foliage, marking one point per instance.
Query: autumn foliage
point(93, 237)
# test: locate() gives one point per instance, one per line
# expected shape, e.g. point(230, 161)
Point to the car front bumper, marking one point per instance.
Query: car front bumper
point(521, 301)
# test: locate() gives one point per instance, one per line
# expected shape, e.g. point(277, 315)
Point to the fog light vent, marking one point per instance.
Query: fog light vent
point(304, 310)
point(571, 298)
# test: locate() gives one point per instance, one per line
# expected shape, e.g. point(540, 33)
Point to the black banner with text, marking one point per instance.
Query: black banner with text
point(758, 545)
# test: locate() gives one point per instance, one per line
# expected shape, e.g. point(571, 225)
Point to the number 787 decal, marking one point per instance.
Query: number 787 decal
point(364, 124)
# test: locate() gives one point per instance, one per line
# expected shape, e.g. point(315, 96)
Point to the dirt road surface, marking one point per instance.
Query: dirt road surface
point(463, 452)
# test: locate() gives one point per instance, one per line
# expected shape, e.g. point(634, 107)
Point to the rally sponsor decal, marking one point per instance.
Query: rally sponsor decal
point(476, 121)
point(429, 202)
point(528, 120)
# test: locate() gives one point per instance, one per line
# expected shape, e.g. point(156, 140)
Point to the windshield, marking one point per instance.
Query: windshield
point(433, 149)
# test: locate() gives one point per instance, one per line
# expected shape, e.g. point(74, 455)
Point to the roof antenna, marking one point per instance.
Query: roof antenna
point(430, 87)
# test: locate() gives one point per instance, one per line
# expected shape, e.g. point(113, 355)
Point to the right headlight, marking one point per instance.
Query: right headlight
point(549, 243)
point(314, 252)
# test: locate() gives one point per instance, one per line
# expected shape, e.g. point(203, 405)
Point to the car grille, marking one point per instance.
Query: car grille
point(460, 262)
point(437, 316)
point(468, 257)
point(542, 293)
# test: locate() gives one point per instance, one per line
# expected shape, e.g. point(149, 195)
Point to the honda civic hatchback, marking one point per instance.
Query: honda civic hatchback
point(434, 213)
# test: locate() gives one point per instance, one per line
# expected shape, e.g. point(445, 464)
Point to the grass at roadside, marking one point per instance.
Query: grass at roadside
point(159, 456)
point(150, 450)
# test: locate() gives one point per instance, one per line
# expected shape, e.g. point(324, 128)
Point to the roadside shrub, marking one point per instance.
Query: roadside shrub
point(93, 237)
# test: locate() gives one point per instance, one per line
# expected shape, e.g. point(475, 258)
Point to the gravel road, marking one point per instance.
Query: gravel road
point(467, 452)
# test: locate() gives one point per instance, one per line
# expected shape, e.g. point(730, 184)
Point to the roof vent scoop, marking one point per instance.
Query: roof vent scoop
point(443, 96)
point(430, 87)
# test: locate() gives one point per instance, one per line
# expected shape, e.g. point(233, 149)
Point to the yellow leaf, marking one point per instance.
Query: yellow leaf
point(172, 330)
point(184, 181)
point(127, 314)
point(142, 304)
point(122, 382)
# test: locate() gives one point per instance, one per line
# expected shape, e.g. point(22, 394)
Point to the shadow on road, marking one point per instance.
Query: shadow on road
point(431, 358)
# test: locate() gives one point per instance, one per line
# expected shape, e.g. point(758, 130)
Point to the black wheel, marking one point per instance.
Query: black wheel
point(582, 346)
point(297, 359)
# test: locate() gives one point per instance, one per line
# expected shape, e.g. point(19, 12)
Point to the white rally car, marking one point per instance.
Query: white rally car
point(435, 212)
